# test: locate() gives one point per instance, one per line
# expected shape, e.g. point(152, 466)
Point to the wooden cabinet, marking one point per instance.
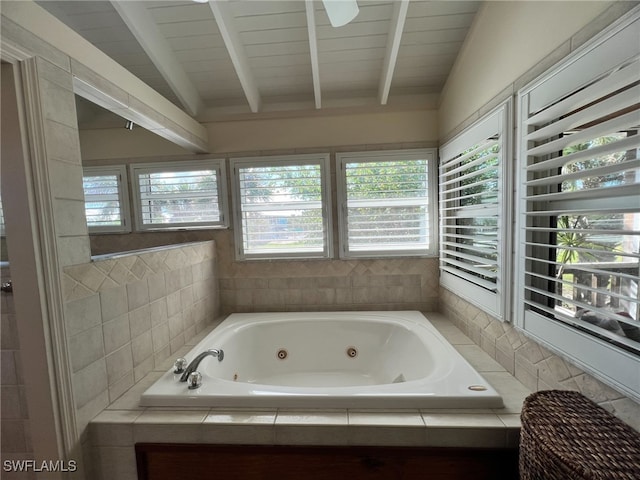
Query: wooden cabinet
point(249, 462)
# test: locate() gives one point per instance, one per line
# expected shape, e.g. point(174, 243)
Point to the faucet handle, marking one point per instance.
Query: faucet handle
point(194, 381)
point(179, 365)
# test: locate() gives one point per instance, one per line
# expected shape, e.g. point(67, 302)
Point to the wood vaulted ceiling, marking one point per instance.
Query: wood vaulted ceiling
point(250, 56)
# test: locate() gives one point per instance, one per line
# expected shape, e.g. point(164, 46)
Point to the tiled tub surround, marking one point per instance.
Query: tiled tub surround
point(331, 284)
point(15, 438)
point(532, 364)
point(116, 430)
point(306, 285)
point(127, 314)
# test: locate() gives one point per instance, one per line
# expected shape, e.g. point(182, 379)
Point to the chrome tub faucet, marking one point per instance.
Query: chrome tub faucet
point(214, 352)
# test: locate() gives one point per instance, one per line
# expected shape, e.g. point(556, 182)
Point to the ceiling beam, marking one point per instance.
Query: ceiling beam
point(313, 51)
point(140, 23)
point(225, 21)
point(398, 18)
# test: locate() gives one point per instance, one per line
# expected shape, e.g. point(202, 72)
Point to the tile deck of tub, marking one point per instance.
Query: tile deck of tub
point(124, 423)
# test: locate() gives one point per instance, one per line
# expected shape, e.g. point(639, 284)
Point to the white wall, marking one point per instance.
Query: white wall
point(506, 40)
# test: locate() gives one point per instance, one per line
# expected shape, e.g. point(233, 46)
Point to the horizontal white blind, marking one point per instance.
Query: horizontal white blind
point(178, 196)
point(2, 229)
point(105, 197)
point(581, 206)
point(282, 208)
point(387, 204)
point(469, 213)
point(2, 232)
point(473, 210)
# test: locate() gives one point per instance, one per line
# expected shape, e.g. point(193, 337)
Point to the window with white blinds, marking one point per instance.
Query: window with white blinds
point(2, 232)
point(579, 218)
point(387, 203)
point(281, 207)
point(2, 229)
point(475, 214)
point(179, 195)
point(106, 200)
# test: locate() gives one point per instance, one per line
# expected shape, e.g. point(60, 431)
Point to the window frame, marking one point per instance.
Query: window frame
point(496, 302)
point(604, 360)
point(342, 158)
point(321, 159)
point(123, 197)
point(215, 164)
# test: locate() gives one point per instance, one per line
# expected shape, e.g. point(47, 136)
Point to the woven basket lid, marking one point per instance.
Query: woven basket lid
point(581, 434)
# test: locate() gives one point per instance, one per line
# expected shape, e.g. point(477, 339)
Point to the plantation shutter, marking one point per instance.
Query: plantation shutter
point(474, 213)
point(178, 195)
point(579, 207)
point(2, 229)
point(105, 199)
point(387, 207)
point(282, 207)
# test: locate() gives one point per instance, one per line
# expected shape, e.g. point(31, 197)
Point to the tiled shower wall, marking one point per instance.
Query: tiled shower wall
point(15, 439)
point(127, 314)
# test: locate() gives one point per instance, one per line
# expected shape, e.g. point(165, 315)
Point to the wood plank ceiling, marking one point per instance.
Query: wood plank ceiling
point(240, 57)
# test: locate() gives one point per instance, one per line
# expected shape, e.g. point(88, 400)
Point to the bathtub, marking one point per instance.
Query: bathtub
point(385, 360)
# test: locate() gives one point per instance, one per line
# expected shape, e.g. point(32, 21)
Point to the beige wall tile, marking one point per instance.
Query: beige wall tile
point(119, 363)
point(73, 250)
point(137, 294)
point(140, 320)
point(8, 373)
point(116, 333)
point(54, 74)
point(160, 337)
point(142, 348)
point(90, 382)
point(63, 143)
point(86, 412)
point(14, 437)
point(11, 403)
point(157, 286)
point(141, 370)
point(66, 181)
point(58, 103)
point(158, 311)
point(119, 387)
point(82, 314)
point(113, 303)
point(117, 462)
point(85, 348)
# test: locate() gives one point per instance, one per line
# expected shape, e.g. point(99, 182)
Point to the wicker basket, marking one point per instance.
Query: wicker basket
point(565, 436)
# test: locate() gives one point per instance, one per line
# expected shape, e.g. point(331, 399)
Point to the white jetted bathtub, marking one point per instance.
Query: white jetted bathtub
point(327, 360)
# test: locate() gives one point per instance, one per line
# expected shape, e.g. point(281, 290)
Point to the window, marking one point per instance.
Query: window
point(475, 214)
point(106, 201)
point(387, 203)
point(2, 228)
point(179, 195)
point(579, 218)
point(281, 207)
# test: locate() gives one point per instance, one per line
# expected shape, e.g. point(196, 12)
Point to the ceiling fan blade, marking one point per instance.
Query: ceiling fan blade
point(341, 12)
